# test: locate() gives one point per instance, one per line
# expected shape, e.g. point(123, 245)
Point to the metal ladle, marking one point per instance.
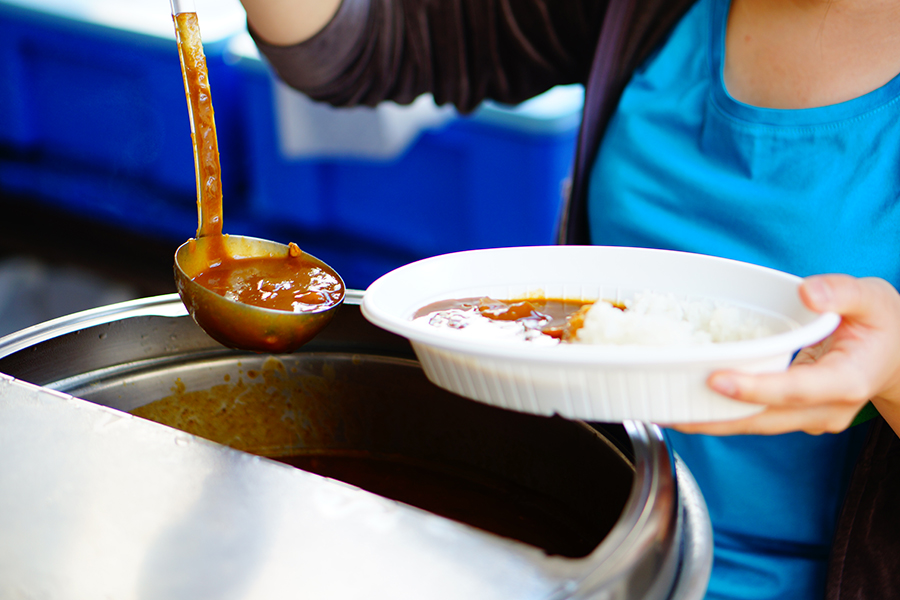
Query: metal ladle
point(232, 323)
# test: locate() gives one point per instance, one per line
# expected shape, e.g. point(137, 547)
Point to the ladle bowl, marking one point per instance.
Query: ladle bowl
point(238, 325)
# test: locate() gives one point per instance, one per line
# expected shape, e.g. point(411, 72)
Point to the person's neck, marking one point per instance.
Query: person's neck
point(807, 53)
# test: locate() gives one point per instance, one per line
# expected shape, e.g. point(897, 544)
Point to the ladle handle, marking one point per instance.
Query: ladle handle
point(182, 6)
point(203, 126)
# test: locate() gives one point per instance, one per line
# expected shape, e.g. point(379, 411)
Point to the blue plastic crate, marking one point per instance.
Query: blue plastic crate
point(492, 179)
point(93, 117)
point(93, 120)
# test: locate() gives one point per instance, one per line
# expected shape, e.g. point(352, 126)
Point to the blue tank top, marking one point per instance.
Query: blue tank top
point(685, 166)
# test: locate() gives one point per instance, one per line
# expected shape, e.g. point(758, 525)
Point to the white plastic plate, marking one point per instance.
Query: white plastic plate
point(608, 383)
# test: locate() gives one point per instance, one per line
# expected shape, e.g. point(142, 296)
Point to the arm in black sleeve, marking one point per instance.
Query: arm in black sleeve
point(462, 51)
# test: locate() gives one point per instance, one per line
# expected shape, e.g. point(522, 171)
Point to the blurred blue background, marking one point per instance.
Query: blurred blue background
point(96, 169)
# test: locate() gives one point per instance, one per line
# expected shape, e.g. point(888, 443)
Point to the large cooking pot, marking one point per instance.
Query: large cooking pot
point(449, 498)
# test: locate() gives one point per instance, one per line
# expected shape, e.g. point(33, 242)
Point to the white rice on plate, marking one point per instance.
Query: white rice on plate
point(656, 319)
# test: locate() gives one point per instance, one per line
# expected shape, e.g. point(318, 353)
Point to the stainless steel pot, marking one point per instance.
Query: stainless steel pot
point(96, 502)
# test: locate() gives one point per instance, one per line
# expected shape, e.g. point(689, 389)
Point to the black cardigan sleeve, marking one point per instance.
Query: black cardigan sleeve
point(461, 51)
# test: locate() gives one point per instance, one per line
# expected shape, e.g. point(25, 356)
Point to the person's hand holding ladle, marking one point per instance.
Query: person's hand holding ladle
point(244, 292)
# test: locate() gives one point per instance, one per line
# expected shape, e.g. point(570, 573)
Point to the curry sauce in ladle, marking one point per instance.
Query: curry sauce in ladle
point(244, 292)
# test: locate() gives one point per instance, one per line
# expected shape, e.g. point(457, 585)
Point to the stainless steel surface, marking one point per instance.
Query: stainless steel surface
point(98, 504)
point(95, 502)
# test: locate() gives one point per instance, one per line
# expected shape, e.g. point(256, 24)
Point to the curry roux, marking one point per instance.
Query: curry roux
point(283, 415)
point(293, 284)
point(556, 318)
